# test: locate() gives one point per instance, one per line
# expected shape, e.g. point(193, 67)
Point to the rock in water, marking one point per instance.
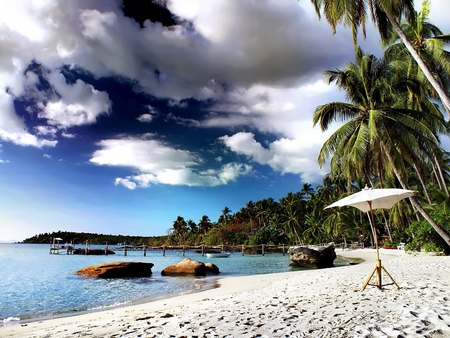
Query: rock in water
point(323, 257)
point(212, 268)
point(117, 270)
point(189, 267)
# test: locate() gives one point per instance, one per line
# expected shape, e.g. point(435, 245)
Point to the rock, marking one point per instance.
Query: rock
point(212, 268)
point(117, 270)
point(323, 257)
point(189, 267)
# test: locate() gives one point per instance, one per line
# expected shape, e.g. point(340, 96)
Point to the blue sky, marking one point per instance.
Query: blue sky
point(113, 126)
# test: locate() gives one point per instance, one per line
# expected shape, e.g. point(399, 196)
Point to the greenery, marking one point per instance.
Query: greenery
point(391, 126)
point(92, 238)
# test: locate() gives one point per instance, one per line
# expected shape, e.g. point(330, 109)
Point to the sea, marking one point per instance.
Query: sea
point(35, 284)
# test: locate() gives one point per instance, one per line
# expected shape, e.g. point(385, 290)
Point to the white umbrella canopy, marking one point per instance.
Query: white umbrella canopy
point(369, 198)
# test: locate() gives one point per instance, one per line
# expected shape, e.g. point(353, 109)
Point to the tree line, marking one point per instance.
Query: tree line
point(93, 238)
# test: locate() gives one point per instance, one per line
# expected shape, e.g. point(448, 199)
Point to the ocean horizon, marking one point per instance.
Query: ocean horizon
point(35, 283)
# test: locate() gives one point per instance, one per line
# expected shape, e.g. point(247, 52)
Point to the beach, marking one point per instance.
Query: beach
point(311, 303)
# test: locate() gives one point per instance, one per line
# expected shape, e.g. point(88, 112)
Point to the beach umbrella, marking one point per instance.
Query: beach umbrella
point(366, 200)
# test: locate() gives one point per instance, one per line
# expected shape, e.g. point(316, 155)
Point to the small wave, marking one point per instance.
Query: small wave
point(10, 321)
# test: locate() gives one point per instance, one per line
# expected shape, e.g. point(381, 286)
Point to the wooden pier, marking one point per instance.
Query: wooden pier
point(57, 248)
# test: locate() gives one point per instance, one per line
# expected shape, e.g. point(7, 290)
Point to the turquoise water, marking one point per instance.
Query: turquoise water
point(35, 284)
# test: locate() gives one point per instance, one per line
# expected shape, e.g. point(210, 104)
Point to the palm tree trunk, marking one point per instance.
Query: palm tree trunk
point(423, 184)
point(444, 184)
point(419, 208)
point(436, 176)
point(434, 83)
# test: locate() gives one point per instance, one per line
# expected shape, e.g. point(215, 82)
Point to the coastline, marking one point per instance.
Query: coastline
point(324, 302)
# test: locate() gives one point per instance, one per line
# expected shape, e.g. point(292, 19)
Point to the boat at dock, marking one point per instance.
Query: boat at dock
point(218, 254)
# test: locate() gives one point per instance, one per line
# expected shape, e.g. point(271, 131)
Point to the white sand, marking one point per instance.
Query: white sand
point(316, 303)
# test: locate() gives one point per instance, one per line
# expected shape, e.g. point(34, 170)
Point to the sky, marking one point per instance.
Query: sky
point(116, 119)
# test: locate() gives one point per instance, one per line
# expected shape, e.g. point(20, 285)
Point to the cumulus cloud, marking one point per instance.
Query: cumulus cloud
point(79, 104)
point(283, 155)
point(12, 128)
point(158, 163)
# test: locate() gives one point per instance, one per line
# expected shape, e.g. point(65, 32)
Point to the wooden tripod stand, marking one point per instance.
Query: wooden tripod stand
point(378, 267)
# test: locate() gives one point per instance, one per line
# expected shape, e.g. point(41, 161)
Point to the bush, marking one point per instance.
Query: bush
point(267, 235)
point(424, 237)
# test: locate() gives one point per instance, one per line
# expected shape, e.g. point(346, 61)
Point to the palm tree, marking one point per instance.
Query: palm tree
point(292, 226)
point(381, 137)
point(428, 41)
point(204, 224)
point(386, 15)
point(225, 217)
point(192, 226)
point(180, 229)
point(307, 190)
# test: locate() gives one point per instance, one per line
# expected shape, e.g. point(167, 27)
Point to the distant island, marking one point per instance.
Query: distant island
point(93, 238)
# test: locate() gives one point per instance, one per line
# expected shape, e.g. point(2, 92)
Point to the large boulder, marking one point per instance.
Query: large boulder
point(117, 270)
point(320, 257)
point(189, 267)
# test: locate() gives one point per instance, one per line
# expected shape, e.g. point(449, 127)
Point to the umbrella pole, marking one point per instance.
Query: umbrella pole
point(378, 266)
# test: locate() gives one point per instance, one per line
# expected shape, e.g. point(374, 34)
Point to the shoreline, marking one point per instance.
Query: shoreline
point(319, 302)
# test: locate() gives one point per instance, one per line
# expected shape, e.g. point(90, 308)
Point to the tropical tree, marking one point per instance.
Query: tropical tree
point(386, 15)
point(225, 216)
point(192, 226)
point(204, 224)
point(380, 137)
point(428, 41)
point(180, 229)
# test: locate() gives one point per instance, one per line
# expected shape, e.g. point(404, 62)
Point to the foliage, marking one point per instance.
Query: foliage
point(267, 235)
point(423, 236)
point(93, 238)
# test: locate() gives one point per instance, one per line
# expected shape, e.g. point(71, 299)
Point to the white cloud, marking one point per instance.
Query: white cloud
point(145, 118)
point(187, 176)
point(12, 128)
point(144, 155)
point(67, 135)
point(80, 103)
point(283, 155)
point(158, 163)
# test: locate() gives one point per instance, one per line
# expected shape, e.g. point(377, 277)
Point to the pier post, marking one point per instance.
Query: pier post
point(262, 249)
point(106, 248)
point(203, 250)
point(86, 248)
point(164, 250)
point(125, 249)
point(243, 249)
point(184, 248)
point(283, 250)
point(145, 251)
point(50, 245)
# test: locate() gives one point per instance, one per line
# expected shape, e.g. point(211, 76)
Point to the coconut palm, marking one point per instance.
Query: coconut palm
point(380, 137)
point(428, 41)
point(386, 15)
point(225, 216)
point(204, 224)
point(180, 229)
